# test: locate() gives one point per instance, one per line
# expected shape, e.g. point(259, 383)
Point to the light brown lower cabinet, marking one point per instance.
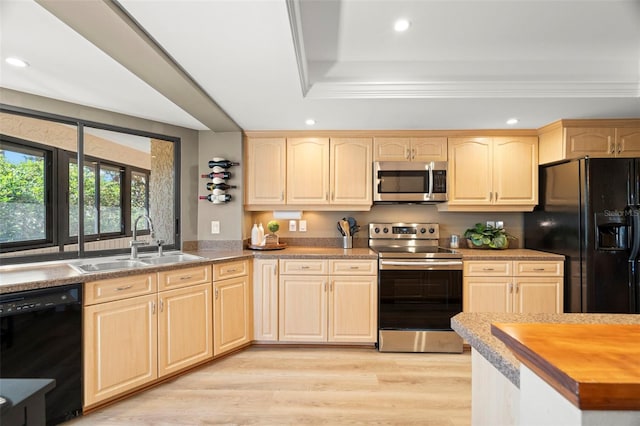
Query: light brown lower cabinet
point(131, 340)
point(513, 286)
point(232, 306)
point(327, 301)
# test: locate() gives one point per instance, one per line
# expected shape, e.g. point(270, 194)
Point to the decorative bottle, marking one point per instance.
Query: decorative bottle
point(255, 235)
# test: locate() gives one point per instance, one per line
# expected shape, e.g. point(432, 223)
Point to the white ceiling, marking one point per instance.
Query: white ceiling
point(271, 64)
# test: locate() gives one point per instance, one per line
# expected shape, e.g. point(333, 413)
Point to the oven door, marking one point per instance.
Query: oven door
point(419, 295)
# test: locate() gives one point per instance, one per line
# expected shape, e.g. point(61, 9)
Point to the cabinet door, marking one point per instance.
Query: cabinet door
point(231, 314)
point(627, 142)
point(185, 328)
point(308, 171)
point(302, 315)
point(470, 171)
point(392, 149)
point(351, 171)
point(487, 294)
point(265, 173)
point(429, 149)
point(538, 295)
point(595, 142)
point(353, 309)
point(265, 299)
point(114, 331)
point(515, 171)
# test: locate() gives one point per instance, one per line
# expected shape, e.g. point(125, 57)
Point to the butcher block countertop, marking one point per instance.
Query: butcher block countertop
point(475, 329)
point(594, 366)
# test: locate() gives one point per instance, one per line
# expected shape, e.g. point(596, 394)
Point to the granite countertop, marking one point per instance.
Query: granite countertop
point(507, 254)
point(475, 329)
point(36, 275)
point(30, 276)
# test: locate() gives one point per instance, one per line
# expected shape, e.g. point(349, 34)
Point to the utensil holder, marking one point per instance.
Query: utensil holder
point(347, 242)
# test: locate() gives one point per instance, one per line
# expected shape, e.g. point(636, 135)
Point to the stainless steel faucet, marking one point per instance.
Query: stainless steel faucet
point(134, 242)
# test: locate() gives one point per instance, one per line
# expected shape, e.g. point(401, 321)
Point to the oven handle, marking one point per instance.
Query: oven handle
point(409, 264)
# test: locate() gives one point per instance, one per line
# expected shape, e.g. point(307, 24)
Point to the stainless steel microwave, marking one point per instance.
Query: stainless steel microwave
point(409, 182)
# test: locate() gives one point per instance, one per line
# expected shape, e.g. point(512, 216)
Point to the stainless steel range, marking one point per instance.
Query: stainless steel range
point(419, 288)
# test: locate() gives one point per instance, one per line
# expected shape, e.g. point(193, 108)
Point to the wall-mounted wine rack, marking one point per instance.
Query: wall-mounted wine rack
point(218, 186)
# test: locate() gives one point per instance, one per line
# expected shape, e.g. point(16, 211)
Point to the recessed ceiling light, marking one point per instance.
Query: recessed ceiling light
point(16, 62)
point(401, 25)
point(512, 121)
point(310, 122)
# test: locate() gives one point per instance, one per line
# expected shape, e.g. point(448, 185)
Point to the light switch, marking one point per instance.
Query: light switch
point(215, 227)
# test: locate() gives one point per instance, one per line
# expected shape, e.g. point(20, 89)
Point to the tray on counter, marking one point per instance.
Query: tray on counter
point(278, 246)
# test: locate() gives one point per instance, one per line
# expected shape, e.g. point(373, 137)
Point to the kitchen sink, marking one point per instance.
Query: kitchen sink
point(119, 263)
point(108, 266)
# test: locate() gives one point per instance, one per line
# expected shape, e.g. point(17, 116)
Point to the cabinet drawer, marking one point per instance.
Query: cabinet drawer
point(222, 271)
point(353, 267)
point(178, 278)
point(119, 288)
point(489, 268)
point(304, 267)
point(535, 268)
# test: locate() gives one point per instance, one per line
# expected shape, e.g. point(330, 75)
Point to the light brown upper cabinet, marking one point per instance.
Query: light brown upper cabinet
point(324, 173)
point(266, 171)
point(489, 174)
point(410, 149)
point(568, 139)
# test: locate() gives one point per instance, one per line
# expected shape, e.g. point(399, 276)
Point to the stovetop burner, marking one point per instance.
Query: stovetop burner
point(408, 240)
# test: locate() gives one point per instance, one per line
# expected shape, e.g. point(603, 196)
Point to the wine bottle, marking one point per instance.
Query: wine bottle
point(223, 186)
point(216, 199)
point(221, 175)
point(225, 164)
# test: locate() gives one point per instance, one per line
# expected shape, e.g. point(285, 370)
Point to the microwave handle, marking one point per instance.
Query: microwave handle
point(430, 168)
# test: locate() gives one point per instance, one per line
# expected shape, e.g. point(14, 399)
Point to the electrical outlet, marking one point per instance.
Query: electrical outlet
point(302, 226)
point(215, 227)
point(499, 224)
point(292, 226)
point(491, 224)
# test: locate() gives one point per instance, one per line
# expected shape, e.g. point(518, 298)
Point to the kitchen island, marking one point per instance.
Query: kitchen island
point(507, 391)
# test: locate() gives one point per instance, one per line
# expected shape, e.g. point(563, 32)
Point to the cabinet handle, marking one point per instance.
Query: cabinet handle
point(127, 287)
point(185, 278)
point(216, 293)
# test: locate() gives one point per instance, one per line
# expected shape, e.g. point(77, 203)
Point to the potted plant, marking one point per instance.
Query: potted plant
point(482, 236)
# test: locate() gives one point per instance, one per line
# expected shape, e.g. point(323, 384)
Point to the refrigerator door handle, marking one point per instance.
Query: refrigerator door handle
point(635, 231)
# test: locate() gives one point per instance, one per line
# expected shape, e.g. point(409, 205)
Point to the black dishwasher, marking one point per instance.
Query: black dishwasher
point(41, 337)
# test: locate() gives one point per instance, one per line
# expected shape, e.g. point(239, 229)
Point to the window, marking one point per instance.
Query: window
point(40, 197)
point(25, 187)
point(103, 199)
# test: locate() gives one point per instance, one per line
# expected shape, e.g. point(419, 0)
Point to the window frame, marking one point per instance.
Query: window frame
point(50, 195)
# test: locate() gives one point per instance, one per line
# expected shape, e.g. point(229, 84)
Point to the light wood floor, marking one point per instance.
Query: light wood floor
point(306, 386)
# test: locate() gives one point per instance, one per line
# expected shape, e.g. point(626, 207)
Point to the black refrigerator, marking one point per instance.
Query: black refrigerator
point(589, 211)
